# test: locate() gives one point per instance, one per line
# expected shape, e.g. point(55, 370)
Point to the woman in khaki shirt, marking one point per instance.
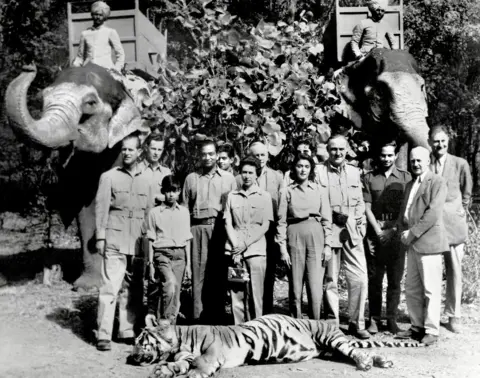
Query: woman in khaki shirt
point(304, 235)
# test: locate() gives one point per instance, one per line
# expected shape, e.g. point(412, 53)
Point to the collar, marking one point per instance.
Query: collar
point(138, 170)
point(442, 160)
point(309, 184)
point(217, 171)
point(394, 172)
point(252, 190)
point(421, 177)
point(164, 207)
point(337, 169)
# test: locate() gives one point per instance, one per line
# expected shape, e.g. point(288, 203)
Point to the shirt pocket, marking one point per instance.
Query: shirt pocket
point(114, 233)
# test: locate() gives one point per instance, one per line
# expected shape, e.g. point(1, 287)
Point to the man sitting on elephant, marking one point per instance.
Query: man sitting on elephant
point(372, 32)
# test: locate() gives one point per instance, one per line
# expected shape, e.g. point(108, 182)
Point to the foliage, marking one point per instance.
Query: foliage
point(471, 261)
point(243, 83)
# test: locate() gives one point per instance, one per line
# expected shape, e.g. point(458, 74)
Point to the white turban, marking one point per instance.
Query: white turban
point(377, 4)
point(102, 7)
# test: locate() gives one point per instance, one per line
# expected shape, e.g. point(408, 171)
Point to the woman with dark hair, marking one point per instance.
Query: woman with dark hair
point(248, 213)
point(304, 235)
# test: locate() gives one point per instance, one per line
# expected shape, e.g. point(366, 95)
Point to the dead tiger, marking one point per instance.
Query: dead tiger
point(200, 351)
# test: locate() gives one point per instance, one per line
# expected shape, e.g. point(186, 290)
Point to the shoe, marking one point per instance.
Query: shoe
point(373, 327)
point(127, 340)
point(392, 327)
point(104, 345)
point(358, 333)
point(453, 325)
point(429, 339)
point(409, 334)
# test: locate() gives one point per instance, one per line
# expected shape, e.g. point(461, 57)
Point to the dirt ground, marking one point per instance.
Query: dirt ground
point(48, 332)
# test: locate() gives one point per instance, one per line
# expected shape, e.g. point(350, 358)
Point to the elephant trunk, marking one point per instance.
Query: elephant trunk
point(54, 129)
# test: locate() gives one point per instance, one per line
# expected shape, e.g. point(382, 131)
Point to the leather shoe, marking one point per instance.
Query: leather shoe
point(453, 325)
point(429, 339)
point(104, 345)
point(358, 333)
point(392, 327)
point(373, 327)
point(409, 334)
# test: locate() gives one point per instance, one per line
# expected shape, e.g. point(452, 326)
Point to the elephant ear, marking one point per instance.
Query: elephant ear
point(126, 120)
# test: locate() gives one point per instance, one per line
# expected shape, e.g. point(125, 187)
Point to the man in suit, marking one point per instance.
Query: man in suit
point(420, 223)
point(456, 173)
point(344, 187)
point(270, 181)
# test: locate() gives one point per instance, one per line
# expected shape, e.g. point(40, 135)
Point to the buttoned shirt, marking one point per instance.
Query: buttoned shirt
point(338, 187)
point(204, 194)
point(169, 226)
point(385, 193)
point(156, 175)
point(248, 211)
point(96, 45)
point(302, 202)
point(413, 192)
point(122, 202)
point(288, 178)
point(369, 34)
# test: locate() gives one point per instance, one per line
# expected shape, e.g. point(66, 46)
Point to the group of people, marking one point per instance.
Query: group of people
point(227, 233)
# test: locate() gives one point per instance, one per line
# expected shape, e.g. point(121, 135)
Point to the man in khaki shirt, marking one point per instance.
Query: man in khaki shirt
point(342, 181)
point(154, 149)
point(123, 199)
point(204, 195)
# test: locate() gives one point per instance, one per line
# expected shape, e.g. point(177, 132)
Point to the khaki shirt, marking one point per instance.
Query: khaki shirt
point(122, 202)
point(205, 194)
point(248, 210)
point(299, 202)
point(157, 174)
point(344, 189)
point(169, 227)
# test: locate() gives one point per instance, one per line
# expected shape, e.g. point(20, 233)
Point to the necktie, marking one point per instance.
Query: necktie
point(438, 167)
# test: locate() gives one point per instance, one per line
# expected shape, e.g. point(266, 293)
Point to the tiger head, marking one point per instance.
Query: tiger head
point(154, 344)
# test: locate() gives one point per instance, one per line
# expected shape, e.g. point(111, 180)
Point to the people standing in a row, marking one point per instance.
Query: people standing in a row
point(305, 235)
point(456, 173)
point(270, 181)
point(204, 195)
point(123, 200)
point(248, 214)
point(344, 187)
point(383, 192)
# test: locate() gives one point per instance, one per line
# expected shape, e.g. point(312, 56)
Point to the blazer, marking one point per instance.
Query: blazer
point(425, 216)
point(456, 173)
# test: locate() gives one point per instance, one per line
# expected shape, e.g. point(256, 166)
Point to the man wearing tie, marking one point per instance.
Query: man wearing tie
point(456, 173)
point(420, 223)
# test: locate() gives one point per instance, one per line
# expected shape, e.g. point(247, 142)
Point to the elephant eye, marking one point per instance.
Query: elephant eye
point(91, 102)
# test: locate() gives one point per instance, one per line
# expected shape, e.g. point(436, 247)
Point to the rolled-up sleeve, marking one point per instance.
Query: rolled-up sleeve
point(281, 235)
point(102, 205)
point(150, 226)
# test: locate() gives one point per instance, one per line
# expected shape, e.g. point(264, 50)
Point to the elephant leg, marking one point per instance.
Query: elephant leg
point(92, 261)
point(402, 159)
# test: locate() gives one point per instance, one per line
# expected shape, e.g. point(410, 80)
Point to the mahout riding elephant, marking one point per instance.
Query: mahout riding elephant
point(386, 98)
point(86, 112)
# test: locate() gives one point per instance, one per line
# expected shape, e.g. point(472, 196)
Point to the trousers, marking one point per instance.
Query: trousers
point(453, 267)
point(305, 244)
point(355, 265)
point(272, 259)
point(121, 282)
point(381, 259)
point(423, 288)
point(164, 295)
point(247, 299)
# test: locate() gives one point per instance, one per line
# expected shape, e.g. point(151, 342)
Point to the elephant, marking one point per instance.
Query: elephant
point(86, 114)
point(385, 96)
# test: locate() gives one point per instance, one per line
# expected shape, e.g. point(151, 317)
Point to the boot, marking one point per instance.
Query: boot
point(373, 327)
point(392, 326)
point(453, 324)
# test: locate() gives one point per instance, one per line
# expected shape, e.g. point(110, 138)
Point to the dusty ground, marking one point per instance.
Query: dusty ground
point(47, 332)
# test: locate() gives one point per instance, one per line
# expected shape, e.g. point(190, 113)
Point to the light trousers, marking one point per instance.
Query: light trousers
point(423, 288)
point(247, 299)
point(119, 285)
point(355, 266)
point(453, 267)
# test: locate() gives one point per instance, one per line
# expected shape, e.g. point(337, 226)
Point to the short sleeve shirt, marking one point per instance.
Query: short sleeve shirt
point(385, 194)
point(156, 175)
point(249, 210)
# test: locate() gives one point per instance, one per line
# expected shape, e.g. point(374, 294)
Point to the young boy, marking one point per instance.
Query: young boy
point(168, 232)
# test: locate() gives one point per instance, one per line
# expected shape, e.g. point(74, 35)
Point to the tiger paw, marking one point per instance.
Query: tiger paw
point(382, 362)
point(162, 371)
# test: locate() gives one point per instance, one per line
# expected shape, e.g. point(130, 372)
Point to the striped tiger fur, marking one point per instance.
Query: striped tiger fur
point(200, 351)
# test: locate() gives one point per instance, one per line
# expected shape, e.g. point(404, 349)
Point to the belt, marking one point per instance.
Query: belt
point(203, 221)
point(140, 214)
point(299, 220)
point(387, 216)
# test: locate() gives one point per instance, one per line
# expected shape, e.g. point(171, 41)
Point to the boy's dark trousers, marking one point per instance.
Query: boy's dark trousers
point(164, 293)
